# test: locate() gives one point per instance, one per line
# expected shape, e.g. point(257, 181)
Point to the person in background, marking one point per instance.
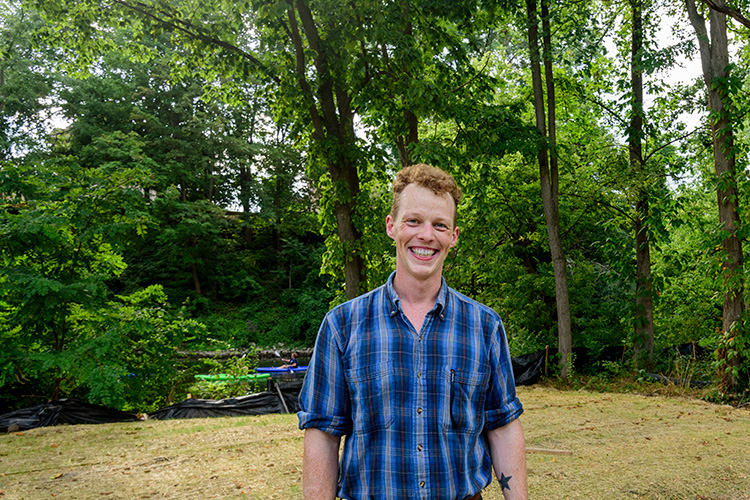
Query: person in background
point(291, 362)
point(415, 375)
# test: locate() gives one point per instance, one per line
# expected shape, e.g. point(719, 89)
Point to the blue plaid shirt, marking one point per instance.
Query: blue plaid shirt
point(412, 405)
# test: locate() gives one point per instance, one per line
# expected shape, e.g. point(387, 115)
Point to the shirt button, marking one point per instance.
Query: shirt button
point(419, 374)
point(421, 484)
point(419, 447)
point(419, 410)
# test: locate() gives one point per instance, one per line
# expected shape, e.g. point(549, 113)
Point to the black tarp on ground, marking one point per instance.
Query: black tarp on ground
point(290, 389)
point(690, 349)
point(262, 403)
point(680, 382)
point(64, 411)
point(527, 369)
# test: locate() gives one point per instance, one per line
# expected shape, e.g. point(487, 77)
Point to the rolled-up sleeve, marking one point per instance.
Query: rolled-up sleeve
point(324, 400)
point(502, 405)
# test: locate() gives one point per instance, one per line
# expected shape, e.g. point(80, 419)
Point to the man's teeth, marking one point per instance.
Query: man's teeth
point(423, 252)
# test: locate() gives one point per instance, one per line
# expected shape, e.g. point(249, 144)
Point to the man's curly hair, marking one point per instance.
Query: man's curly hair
point(439, 181)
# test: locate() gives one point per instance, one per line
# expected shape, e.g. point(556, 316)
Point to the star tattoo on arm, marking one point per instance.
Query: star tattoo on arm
point(504, 480)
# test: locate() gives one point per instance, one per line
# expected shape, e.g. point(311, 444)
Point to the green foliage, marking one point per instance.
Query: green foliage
point(26, 79)
point(689, 309)
point(733, 352)
point(62, 232)
point(137, 205)
point(127, 349)
point(234, 385)
point(294, 317)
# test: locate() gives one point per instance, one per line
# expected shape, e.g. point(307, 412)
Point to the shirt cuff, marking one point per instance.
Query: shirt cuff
point(336, 426)
point(494, 419)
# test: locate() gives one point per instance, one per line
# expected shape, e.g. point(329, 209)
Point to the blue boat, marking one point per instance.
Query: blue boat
point(278, 369)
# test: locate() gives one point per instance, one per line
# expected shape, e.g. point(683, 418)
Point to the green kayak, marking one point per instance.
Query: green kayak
point(223, 377)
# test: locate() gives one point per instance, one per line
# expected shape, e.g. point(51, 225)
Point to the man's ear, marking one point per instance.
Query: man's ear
point(389, 226)
point(455, 237)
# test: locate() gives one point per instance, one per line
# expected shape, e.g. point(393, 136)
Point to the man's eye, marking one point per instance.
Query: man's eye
point(412, 221)
point(441, 226)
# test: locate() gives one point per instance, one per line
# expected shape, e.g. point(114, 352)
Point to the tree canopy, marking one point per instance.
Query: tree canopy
point(181, 175)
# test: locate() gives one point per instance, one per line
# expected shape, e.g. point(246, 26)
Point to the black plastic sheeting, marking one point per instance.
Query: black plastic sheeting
point(64, 411)
point(680, 382)
point(527, 369)
point(262, 403)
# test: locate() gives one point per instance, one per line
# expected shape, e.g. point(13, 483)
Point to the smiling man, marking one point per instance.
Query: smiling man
point(416, 376)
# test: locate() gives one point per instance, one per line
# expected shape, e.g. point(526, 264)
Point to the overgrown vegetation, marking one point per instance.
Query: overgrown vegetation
point(164, 191)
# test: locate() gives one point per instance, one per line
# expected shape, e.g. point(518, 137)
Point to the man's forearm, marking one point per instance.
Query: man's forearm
point(508, 449)
point(320, 467)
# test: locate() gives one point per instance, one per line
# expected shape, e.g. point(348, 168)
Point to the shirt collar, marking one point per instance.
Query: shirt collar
point(394, 302)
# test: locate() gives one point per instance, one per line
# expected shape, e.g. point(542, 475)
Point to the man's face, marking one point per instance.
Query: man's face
point(423, 231)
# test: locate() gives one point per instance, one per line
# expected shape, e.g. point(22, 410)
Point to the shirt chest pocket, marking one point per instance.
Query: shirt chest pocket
point(371, 391)
point(464, 397)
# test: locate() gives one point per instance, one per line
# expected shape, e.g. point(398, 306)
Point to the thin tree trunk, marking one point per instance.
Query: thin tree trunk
point(548, 175)
point(333, 125)
point(404, 142)
point(714, 53)
point(196, 278)
point(194, 270)
point(643, 345)
point(277, 208)
point(245, 179)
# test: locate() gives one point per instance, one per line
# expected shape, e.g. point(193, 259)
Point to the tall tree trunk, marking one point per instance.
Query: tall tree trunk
point(277, 209)
point(405, 141)
point(349, 234)
point(643, 345)
point(714, 53)
point(548, 175)
point(194, 270)
point(332, 118)
point(245, 179)
point(196, 278)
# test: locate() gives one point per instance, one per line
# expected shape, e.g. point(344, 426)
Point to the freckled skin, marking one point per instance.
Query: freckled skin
point(424, 234)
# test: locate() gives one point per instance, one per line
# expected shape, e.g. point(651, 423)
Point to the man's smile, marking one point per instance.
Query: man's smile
point(423, 252)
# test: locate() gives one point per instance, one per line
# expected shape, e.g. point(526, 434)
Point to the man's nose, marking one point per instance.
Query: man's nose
point(426, 231)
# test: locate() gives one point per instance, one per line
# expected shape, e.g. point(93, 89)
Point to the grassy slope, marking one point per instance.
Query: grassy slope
point(623, 446)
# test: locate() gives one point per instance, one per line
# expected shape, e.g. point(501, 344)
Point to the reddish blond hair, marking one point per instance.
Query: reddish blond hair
point(439, 181)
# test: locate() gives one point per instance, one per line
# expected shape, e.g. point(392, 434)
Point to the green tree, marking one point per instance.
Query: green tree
point(322, 64)
point(62, 232)
point(548, 169)
point(193, 148)
point(720, 85)
point(25, 82)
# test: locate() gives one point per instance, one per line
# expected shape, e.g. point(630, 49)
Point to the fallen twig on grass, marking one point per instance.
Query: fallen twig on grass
point(549, 451)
